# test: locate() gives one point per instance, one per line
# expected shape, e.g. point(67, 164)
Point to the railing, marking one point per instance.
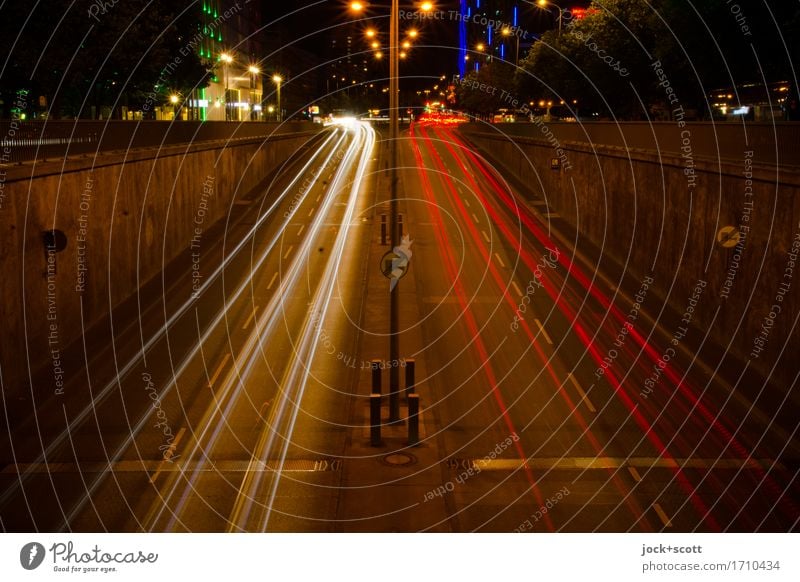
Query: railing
point(22, 141)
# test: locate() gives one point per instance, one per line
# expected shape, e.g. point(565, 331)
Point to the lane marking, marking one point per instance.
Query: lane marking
point(662, 515)
point(466, 202)
point(648, 463)
point(218, 371)
point(250, 317)
point(288, 252)
point(311, 212)
point(583, 395)
point(486, 236)
point(318, 197)
point(516, 288)
point(544, 332)
point(635, 474)
point(171, 451)
point(475, 218)
point(271, 281)
point(302, 227)
point(499, 260)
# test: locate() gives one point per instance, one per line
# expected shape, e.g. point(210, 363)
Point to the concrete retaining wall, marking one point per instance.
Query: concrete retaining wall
point(125, 216)
point(662, 214)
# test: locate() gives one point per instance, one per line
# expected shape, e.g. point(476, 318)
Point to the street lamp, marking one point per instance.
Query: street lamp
point(226, 60)
point(174, 99)
point(254, 71)
point(507, 32)
point(546, 4)
point(278, 80)
point(395, 55)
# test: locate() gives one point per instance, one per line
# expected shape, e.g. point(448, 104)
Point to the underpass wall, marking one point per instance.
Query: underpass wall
point(661, 214)
point(125, 216)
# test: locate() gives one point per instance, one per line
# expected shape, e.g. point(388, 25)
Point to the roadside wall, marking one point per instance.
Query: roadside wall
point(125, 216)
point(662, 213)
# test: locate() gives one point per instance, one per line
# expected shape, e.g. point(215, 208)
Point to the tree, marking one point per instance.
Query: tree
point(483, 92)
point(634, 58)
point(82, 64)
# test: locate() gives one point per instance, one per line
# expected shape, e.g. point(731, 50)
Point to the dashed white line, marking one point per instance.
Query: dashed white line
point(475, 218)
point(499, 260)
point(311, 212)
point(635, 474)
point(544, 332)
point(271, 281)
point(250, 317)
point(302, 227)
point(583, 394)
point(516, 288)
point(218, 371)
point(171, 451)
point(288, 252)
point(662, 515)
point(486, 236)
point(466, 202)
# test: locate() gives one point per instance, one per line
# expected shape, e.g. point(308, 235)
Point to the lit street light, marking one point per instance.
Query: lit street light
point(254, 71)
point(395, 54)
point(278, 80)
point(546, 4)
point(226, 60)
point(507, 32)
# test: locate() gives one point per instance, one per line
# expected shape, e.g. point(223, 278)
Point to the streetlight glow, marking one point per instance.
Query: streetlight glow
point(254, 70)
point(480, 47)
point(226, 58)
point(371, 33)
point(413, 33)
point(406, 45)
point(173, 99)
point(426, 6)
point(356, 6)
point(379, 55)
point(375, 44)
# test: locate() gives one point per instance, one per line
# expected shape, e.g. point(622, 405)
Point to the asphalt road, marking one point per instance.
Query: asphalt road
point(546, 406)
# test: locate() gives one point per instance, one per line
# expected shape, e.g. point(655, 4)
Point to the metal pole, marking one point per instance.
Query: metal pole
point(376, 376)
point(410, 377)
point(413, 419)
point(394, 131)
point(280, 111)
point(375, 420)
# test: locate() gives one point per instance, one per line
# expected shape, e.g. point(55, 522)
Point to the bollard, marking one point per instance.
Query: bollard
point(410, 381)
point(413, 419)
point(383, 229)
point(375, 420)
point(375, 366)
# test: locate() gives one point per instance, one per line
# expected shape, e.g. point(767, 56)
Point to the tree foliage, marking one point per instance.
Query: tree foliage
point(607, 61)
point(81, 63)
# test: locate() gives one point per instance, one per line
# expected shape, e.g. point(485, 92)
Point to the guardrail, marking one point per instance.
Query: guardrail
point(22, 141)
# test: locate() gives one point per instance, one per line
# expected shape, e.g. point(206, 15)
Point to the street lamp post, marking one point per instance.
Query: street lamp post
point(226, 60)
point(278, 80)
point(254, 71)
point(508, 32)
point(395, 55)
point(545, 4)
point(394, 130)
